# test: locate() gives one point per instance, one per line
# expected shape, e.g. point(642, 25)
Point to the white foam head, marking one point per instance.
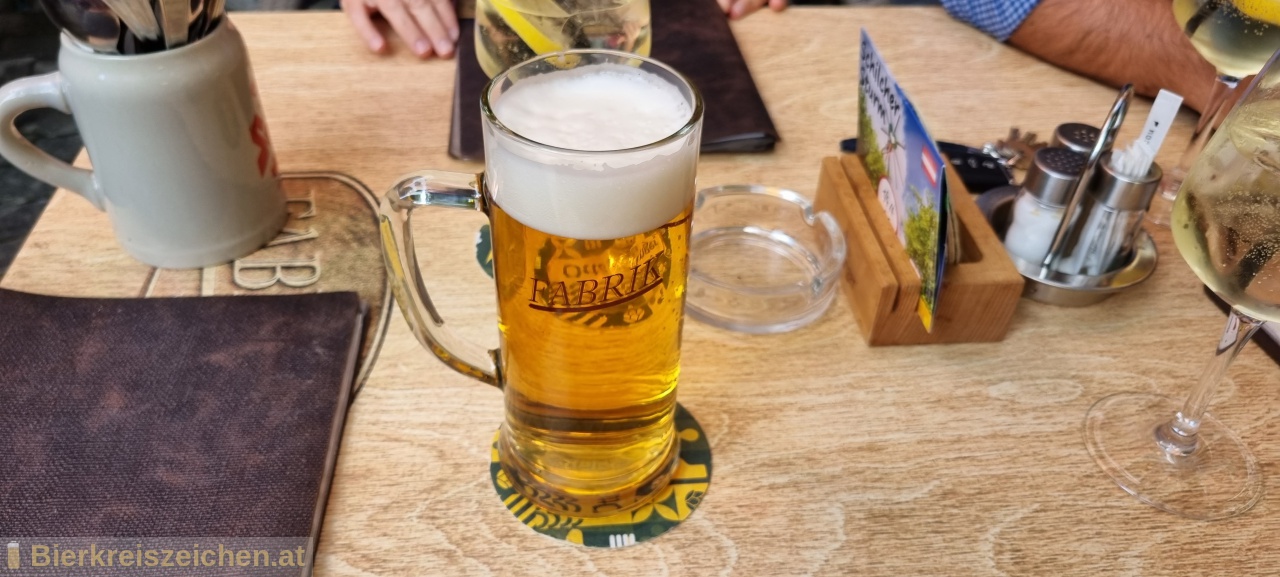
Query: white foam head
point(593, 184)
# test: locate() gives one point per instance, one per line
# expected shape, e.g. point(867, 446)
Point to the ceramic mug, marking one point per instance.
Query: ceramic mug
point(182, 162)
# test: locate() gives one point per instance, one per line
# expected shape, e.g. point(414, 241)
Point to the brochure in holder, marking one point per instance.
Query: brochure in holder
point(891, 201)
point(904, 165)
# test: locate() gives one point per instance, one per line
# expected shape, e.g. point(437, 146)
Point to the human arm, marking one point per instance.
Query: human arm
point(428, 27)
point(736, 9)
point(1118, 42)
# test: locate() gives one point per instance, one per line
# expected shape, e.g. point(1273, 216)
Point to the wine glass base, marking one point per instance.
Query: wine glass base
point(1220, 479)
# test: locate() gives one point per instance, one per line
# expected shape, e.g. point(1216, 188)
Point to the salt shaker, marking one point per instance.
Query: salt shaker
point(1042, 201)
point(1117, 203)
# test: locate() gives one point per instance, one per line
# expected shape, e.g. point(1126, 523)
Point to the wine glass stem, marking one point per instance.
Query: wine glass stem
point(1223, 87)
point(1178, 437)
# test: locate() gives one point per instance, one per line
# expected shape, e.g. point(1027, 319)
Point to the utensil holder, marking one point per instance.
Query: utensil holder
point(1045, 280)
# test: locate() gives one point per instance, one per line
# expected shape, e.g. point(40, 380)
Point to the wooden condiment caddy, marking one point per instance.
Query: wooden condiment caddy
point(978, 296)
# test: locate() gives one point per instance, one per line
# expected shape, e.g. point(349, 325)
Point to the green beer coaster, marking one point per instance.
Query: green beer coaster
point(670, 508)
point(484, 250)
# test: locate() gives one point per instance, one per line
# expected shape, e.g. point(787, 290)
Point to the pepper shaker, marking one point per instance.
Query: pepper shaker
point(1077, 136)
point(1117, 204)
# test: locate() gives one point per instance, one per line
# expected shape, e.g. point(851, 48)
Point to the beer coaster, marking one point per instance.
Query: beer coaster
point(670, 508)
point(484, 250)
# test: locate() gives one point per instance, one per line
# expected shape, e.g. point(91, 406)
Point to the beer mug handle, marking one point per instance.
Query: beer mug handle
point(434, 189)
point(31, 93)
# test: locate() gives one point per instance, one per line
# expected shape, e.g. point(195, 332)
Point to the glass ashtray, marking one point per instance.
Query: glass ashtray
point(761, 260)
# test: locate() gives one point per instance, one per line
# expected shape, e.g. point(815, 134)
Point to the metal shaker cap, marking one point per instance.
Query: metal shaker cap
point(1076, 136)
point(1122, 193)
point(1053, 173)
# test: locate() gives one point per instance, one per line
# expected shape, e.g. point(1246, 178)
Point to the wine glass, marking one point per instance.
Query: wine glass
point(1237, 37)
point(509, 32)
point(1226, 223)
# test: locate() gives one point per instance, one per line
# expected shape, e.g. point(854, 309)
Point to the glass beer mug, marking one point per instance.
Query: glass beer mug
point(589, 188)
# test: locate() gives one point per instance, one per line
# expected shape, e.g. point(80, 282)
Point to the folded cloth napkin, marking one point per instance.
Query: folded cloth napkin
point(172, 417)
point(692, 36)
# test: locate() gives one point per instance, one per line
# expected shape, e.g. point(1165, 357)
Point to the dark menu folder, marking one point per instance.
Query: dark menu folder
point(205, 425)
point(692, 36)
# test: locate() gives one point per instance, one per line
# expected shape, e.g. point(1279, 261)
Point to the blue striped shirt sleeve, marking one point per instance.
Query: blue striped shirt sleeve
point(999, 18)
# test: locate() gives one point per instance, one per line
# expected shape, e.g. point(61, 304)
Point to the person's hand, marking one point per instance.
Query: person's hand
point(428, 27)
point(738, 8)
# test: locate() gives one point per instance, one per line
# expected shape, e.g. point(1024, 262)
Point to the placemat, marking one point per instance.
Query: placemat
point(330, 243)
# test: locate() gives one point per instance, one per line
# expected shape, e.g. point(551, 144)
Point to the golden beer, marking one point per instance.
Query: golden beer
point(590, 354)
point(590, 159)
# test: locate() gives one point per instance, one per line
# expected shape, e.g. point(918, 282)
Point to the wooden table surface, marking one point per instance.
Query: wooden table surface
point(831, 458)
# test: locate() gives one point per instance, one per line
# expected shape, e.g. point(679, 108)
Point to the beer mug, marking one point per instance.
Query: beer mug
point(589, 189)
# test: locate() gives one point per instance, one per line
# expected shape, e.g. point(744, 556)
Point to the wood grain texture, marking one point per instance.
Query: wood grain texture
point(831, 457)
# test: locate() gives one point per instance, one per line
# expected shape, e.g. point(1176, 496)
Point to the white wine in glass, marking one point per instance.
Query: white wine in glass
point(1227, 226)
point(509, 32)
point(1226, 223)
point(1237, 37)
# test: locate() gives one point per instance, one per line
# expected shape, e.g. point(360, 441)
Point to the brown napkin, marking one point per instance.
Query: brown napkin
point(692, 36)
point(177, 417)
